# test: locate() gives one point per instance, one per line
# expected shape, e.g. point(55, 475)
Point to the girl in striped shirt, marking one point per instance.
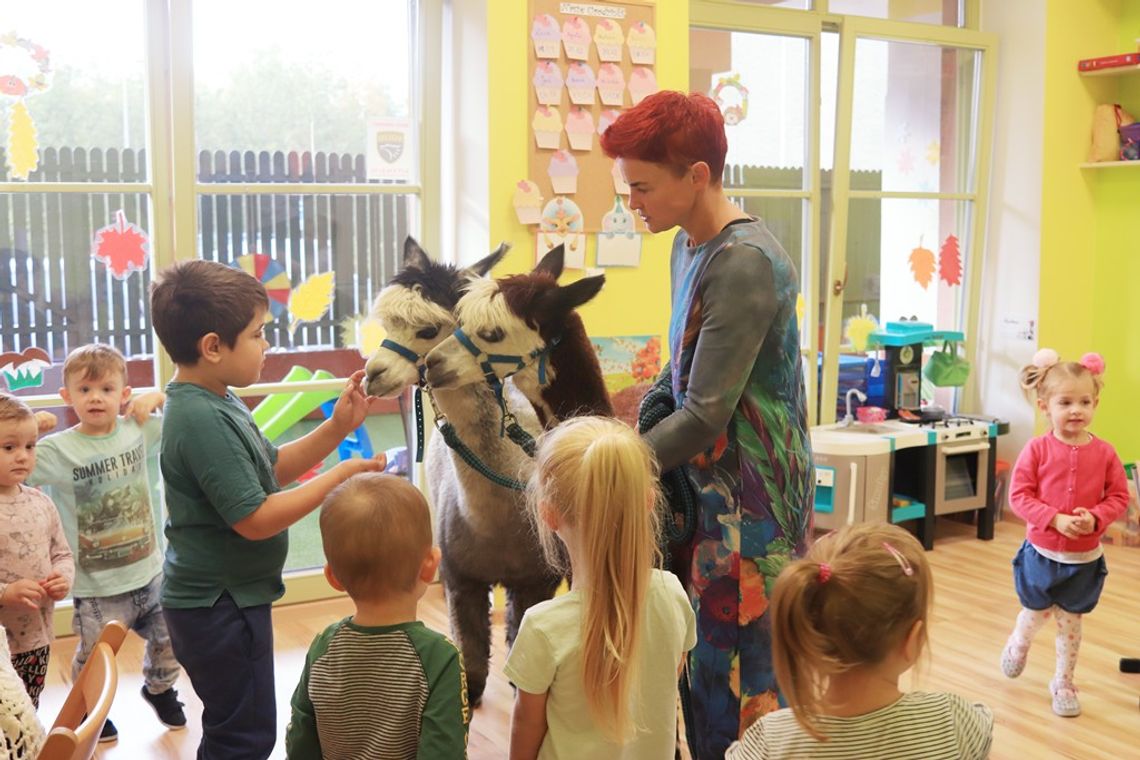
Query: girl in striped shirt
point(847, 621)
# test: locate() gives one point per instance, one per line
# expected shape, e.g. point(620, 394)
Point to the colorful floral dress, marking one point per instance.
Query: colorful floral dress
point(741, 430)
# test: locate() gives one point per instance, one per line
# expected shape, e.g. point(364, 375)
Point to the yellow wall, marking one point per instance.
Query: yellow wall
point(1090, 236)
point(635, 301)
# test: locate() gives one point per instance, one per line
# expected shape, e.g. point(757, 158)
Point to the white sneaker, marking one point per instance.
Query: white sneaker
point(1013, 659)
point(1065, 702)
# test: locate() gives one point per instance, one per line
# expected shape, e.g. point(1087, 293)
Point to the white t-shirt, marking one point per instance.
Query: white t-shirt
point(546, 657)
point(919, 726)
point(106, 489)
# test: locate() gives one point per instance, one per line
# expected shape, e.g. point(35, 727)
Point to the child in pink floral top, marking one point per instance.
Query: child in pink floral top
point(36, 569)
point(1069, 486)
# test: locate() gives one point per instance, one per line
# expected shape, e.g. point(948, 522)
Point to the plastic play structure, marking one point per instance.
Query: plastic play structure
point(278, 412)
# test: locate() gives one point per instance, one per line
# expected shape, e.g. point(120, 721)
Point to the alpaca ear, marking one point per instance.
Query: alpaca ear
point(553, 261)
point(577, 293)
point(485, 265)
point(414, 256)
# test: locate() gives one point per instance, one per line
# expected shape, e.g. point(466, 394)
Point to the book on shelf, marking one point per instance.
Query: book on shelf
point(1108, 61)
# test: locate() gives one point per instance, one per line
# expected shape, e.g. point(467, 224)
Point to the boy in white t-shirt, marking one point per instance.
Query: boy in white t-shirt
point(102, 475)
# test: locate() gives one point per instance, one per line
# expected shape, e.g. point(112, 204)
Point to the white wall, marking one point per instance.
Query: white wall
point(1013, 241)
point(464, 179)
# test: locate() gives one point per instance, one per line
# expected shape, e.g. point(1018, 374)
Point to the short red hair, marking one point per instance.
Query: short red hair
point(671, 128)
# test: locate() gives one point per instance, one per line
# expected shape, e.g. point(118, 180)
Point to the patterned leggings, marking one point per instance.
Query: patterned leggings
point(32, 667)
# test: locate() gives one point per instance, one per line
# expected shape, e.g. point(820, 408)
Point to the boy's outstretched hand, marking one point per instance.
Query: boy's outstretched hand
point(354, 466)
point(352, 406)
point(141, 407)
point(45, 422)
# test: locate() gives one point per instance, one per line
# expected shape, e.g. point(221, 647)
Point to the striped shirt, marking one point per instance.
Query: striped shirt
point(383, 692)
point(919, 726)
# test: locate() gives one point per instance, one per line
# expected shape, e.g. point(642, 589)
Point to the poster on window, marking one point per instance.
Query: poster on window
point(390, 148)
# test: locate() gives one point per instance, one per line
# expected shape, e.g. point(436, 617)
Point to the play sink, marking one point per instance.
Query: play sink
point(870, 438)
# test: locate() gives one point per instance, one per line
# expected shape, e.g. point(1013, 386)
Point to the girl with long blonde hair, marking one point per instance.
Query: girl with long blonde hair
point(596, 668)
point(847, 621)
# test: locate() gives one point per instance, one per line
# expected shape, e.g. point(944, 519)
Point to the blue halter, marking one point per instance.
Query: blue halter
point(487, 362)
point(418, 404)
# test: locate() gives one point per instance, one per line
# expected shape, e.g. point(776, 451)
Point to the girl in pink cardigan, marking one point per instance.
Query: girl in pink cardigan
point(1069, 486)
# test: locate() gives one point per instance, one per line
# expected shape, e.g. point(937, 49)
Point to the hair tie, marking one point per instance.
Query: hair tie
point(1093, 362)
point(824, 572)
point(904, 563)
point(1045, 358)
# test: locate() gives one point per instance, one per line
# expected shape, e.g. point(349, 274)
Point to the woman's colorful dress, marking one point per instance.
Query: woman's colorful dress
point(737, 380)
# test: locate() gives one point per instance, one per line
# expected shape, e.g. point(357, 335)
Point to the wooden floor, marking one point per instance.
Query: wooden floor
point(974, 610)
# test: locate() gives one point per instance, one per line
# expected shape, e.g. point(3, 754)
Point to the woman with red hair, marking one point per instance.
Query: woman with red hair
point(739, 427)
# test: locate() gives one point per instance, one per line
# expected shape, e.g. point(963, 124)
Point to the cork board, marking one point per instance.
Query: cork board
point(595, 190)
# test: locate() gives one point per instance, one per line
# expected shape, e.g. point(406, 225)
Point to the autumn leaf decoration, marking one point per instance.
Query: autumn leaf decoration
point(922, 264)
point(310, 299)
point(124, 247)
point(950, 262)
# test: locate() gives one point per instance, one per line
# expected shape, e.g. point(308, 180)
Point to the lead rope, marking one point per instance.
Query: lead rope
point(451, 438)
point(417, 398)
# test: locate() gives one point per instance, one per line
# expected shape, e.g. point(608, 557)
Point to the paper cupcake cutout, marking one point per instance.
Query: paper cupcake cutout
point(608, 40)
point(580, 82)
point(642, 43)
point(562, 224)
point(611, 84)
point(621, 187)
point(576, 39)
point(580, 129)
point(546, 35)
point(606, 118)
point(563, 172)
point(527, 202)
point(547, 125)
point(642, 83)
point(619, 245)
point(548, 83)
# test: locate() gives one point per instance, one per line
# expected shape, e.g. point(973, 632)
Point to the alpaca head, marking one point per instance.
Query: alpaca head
point(517, 316)
point(416, 310)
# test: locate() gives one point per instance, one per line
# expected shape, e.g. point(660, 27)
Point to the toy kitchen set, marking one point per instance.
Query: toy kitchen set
point(901, 461)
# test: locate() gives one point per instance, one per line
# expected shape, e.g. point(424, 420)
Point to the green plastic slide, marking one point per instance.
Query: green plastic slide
point(278, 412)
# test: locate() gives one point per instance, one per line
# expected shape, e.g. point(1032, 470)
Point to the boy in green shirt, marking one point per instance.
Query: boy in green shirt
point(379, 683)
point(226, 513)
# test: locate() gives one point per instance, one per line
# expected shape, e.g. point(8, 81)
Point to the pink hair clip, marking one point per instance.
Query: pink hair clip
point(904, 563)
point(1045, 358)
point(824, 572)
point(1093, 362)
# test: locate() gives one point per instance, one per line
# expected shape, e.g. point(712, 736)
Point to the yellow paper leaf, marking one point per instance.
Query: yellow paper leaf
point(859, 329)
point(363, 333)
point(22, 146)
point(311, 299)
point(800, 311)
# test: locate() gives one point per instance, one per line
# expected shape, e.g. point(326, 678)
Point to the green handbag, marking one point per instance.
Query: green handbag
point(946, 368)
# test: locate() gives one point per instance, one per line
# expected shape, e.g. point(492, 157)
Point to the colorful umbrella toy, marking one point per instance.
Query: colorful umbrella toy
point(270, 274)
point(25, 69)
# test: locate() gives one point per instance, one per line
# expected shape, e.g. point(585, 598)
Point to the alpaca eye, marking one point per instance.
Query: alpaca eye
point(492, 336)
point(428, 333)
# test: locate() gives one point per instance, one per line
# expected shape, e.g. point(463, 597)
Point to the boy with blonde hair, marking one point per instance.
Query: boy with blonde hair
point(379, 683)
point(227, 518)
point(102, 475)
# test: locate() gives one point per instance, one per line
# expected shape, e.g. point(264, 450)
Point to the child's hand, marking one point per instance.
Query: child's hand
point(24, 593)
point(55, 586)
point(352, 406)
point(1086, 520)
point(354, 466)
point(1069, 526)
point(141, 407)
point(45, 422)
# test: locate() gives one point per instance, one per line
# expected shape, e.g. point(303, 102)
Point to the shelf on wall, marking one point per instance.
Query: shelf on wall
point(1112, 71)
point(1106, 164)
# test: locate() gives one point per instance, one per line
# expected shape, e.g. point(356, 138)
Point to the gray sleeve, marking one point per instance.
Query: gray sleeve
point(738, 304)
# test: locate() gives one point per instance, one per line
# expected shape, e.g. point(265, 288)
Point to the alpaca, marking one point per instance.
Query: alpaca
point(475, 519)
point(525, 327)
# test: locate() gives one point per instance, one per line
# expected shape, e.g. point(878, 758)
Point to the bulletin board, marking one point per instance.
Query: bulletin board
point(595, 190)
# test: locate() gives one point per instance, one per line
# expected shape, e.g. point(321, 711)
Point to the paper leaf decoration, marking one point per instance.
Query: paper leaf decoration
point(311, 299)
point(363, 333)
point(24, 369)
point(800, 308)
point(950, 262)
point(860, 327)
point(23, 155)
point(124, 247)
point(922, 264)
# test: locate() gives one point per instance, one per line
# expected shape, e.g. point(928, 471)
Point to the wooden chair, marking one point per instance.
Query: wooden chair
point(75, 733)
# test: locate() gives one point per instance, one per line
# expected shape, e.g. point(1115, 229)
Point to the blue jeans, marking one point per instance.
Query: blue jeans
point(138, 610)
point(228, 653)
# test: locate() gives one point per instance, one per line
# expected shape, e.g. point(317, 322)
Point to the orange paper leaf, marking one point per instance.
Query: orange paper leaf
point(922, 264)
point(122, 246)
point(950, 262)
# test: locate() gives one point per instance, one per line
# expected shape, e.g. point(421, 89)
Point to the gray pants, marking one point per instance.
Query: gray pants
point(139, 611)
